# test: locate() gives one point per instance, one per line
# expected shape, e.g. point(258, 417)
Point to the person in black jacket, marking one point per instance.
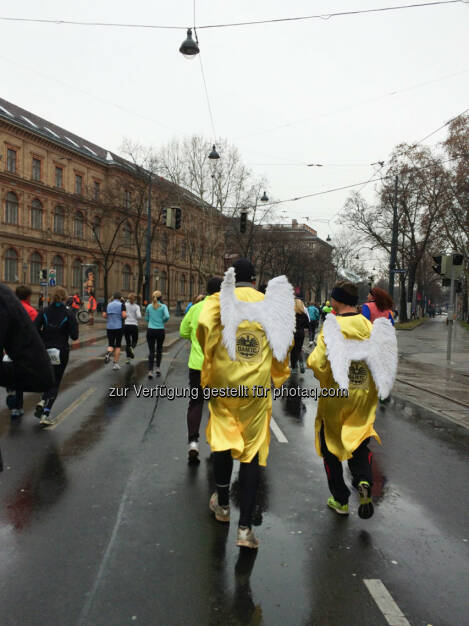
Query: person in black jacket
point(302, 323)
point(27, 364)
point(56, 325)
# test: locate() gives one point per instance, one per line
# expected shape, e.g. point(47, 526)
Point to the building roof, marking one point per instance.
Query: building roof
point(39, 126)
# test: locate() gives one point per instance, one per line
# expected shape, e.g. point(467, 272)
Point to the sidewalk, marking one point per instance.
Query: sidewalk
point(425, 379)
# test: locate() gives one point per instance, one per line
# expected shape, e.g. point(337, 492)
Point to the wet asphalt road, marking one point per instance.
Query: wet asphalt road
point(102, 521)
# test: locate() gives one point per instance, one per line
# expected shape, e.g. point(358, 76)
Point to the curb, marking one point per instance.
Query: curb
point(411, 409)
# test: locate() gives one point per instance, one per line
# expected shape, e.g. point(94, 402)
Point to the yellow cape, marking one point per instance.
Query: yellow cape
point(239, 424)
point(347, 421)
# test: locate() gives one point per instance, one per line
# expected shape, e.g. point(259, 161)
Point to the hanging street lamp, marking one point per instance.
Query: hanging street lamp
point(213, 154)
point(264, 198)
point(189, 48)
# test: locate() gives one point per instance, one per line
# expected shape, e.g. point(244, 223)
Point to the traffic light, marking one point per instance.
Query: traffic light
point(458, 259)
point(178, 220)
point(164, 216)
point(437, 267)
point(43, 274)
point(243, 222)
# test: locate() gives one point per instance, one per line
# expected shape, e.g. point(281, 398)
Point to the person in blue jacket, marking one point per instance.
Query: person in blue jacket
point(314, 316)
point(156, 315)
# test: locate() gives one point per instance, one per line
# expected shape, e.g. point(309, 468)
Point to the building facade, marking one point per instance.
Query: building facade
point(67, 204)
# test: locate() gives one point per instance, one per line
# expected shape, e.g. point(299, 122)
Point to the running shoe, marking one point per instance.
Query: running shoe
point(341, 509)
point(311, 343)
point(294, 370)
point(46, 419)
point(193, 452)
point(302, 367)
point(39, 409)
point(131, 352)
point(11, 398)
point(222, 513)
point(247, 538)
point(107, 358)
point(366, 509)
point(127, 361)
point(116, 366)
point(16, 413)
point(158, 373)
point(150, 374)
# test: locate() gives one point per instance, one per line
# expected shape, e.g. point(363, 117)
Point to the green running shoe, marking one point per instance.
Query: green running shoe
point(341, 509)
point(366, 509)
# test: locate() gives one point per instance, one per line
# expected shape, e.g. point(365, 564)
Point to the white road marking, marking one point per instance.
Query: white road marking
point(392, 613)
point(76, 403)
point(277, 432)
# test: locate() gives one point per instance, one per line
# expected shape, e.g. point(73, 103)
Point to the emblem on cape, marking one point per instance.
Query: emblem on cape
point(379, 352)
point(275, 314)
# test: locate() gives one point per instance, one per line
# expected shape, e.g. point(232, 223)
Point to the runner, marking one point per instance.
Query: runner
point(15, 398)
point(247, 353)
point(114, 314)
point(313, 321)
point(28, 365)
point(131, 325)
point(188, 330)
point(156, 315)
point(56, 325)
point(301, 323)
point(365, 367)
point(92, 306)
point(379, 304)
point(325, 309)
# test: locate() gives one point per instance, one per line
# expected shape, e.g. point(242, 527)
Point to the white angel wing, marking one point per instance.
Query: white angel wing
point(275, 314)
point(379, 352)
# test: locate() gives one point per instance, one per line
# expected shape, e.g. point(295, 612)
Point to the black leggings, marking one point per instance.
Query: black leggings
point(50, 395)
point(297, 351)
point(248, 483)
point(155, 336)
point(359, 464)
point(131, 337)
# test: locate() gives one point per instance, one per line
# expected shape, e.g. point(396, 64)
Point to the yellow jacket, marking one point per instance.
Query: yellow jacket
point(347, 420)
point(242, 423)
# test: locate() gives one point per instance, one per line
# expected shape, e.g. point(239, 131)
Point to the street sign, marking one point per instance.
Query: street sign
point(43, 283)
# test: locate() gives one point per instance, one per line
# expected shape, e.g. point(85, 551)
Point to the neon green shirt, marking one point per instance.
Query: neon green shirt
point(188, 330)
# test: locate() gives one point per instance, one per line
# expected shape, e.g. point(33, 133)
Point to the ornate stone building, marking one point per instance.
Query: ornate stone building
point(67, 203)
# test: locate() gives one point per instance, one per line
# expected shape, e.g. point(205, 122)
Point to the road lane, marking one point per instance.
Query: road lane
point(103, 521)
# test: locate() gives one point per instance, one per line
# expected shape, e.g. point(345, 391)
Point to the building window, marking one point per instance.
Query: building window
point(58, 265)
point(35, 264)
point(164, 245)
point(163, 283)
point(76, 273)
point(59, 220)
point(96, 190)
point(36, 169)
point(59, 177)
point(193, 292)
point(11, 266)
point(126, 276)
point(11, 208)
point(127, 199)
point(36, 214)
point(11, 160)
point(183, 250)
point(78, 184)
point(96, 228)
point(78, 226)
point(126, 235)
point(182, 284)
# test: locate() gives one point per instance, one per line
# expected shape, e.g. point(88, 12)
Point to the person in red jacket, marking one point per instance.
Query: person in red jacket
point(15, 398)
point(380, 304)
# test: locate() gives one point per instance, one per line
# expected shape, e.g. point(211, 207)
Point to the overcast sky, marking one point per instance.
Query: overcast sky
point(341, 91)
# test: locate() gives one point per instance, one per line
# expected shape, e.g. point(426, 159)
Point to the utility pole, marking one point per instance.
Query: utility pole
point(148, 251)
point(450, 314)
point(392, 260)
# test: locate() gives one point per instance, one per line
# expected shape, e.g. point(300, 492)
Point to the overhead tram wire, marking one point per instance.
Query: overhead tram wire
point(351, 186)
point(324, 16)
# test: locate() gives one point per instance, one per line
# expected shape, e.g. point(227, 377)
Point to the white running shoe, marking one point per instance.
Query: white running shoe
point(150, 374)
point(46, 419)
point(107, 358)
point(311, 343)
point(247, 538)
point(39, 409)
point(222, 513)
point(157, 371)
point(116, 366)
point(193, 452)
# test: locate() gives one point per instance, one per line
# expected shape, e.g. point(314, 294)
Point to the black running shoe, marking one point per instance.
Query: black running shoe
point(107, 358)
point(366, 509)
